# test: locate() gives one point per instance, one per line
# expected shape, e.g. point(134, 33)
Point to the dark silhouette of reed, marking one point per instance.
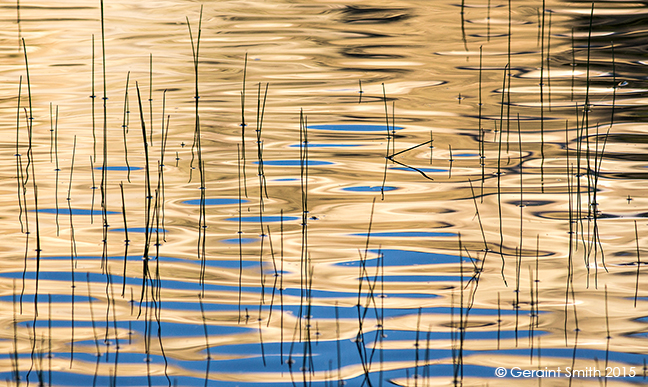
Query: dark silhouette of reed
point(542, 64)
point(18, 23)
point(31, 162)
point(499, 320)
point(281, 289)
point(54, 130)
point(303, 260)
point(389, 138)
point(111, 300)
point(416, 350)
point(391, 158)
point(20, 185)
point(126, 239)
point(431, 146)
point(536, 281)
point(499, 176)
point(463, 318)
point(49, 339)
point(488, 21)
point(608, 336)
point(521, 166)
point(207, 346)
point(463, 24)
point(243, 124)
point(73, 250)
point(262, 183)
point(15, 366)
point(508, 77)
point(51, 149)
point(240, 233)
point(450, 161)
point(125, 122)
point(482, 144)
point(573, 63)
point(93, 188)
point(202, 221)
point(516, 302)
point(195, 51)
point(104, 169)
point(532, 314)
point(148, 201)
point(93, 97)
point(638, 263)
point(276, 278)
point(549, 61)
point(161, 185)
point(150, 99)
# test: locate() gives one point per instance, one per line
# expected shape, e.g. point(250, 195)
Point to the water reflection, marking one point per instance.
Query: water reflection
point(251, 245)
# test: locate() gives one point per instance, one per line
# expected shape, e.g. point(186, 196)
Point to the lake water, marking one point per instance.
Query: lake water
point(320, 193)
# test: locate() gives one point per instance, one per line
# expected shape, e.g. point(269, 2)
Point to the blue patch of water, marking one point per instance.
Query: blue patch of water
point(466, 155)
point(406, 258)
point(290, 179)
point(366, 188)
point(119, 168)
point(266, 219)
point(44, 275)
point(413, 234)
point(293, 163)
point(75, 211)
point(354, 127)
point(214, 201)
point(236, 241)
point(139, 230)
point(413, 258)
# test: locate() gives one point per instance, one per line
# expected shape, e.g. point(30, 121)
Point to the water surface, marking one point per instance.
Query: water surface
point(297, 238)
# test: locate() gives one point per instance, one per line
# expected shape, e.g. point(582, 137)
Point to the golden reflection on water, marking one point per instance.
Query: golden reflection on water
point(508, 245)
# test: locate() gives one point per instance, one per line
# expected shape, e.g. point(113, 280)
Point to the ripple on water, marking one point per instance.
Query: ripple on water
point(353, 127)
point(408, 234)
point(266, 219)
point(139, 229)
point(56, 298)
point(75, 211)
point(315, 145)
point(367, 188)
point(425, 278)
point(214, 201)
point(294, 163)
point(119, 168)
point(430, 170)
